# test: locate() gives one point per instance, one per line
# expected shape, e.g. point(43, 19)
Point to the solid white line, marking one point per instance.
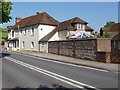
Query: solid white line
point(51, 74)
point(65, 63)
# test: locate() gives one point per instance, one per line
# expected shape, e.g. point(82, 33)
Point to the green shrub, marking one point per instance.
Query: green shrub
point(106, 35)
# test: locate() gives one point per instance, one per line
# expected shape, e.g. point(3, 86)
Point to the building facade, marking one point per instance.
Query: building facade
point(70, 27)
point(34, 32)
point(27, 32)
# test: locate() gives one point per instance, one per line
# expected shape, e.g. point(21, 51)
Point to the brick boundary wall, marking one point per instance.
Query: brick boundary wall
point(86, 49)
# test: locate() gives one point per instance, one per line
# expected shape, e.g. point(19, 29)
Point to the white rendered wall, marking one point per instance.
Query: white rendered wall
point(44, 30)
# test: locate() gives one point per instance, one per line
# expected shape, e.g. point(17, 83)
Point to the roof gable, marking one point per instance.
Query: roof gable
point(68, 24)
point(77, 20)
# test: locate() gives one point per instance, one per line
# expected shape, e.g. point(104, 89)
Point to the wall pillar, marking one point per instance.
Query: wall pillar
point(108, 58)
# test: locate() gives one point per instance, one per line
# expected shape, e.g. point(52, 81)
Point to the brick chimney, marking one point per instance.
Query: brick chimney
point(18, 19)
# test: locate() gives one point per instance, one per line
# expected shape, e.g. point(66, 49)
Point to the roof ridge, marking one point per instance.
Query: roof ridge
point(41, 18)
point(32, 16)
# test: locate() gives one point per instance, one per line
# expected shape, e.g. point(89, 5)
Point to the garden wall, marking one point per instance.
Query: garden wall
point(86, 49)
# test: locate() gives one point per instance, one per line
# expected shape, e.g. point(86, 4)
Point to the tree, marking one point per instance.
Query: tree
point(5, 8)
point(109, 24)
point(106, 35)
point(101, 32)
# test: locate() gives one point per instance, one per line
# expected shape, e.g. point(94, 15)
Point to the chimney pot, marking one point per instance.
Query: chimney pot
point(37, 13)
point(18, 19)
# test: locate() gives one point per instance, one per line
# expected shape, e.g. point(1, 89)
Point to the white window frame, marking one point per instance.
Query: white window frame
point(25, 31)
point(16, 33)
point(32, 31)
point(20, 32)
point(23, 44)
point(32, 44)
point(13, 33)
point(80, 26)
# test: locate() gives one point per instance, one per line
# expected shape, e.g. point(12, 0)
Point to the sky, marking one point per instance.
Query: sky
point(95, 13)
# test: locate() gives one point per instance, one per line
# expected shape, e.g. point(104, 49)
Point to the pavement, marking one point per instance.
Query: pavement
point(100, 65)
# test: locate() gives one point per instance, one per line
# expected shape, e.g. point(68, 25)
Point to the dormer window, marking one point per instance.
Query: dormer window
point(79, 26)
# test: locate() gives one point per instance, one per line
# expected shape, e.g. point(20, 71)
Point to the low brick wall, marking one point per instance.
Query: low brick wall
point(101, 57)
point(87, 49)
point(53, 47)
point(115, 57)
point(66, 48)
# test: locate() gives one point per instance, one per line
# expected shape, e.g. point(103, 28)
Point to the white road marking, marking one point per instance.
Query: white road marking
point(64, 63)
point(51, 74)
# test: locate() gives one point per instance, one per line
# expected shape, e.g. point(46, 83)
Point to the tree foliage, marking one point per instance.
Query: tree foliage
point(109, 24)
point(3, 35)
point(101, 32)
point(5, 8)
point(106, 35)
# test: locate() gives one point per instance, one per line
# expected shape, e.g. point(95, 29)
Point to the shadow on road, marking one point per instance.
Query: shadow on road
point(45, 87)
point(41, 87)
point(2, 55)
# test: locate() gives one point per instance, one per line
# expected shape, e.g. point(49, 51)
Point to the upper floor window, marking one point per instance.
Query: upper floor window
point(41, 29)
point(20, 32)
point(12, 33)
point(32, 31)
point(79, 26)
point(16, 33)
point(25, 32)
point(9, 32)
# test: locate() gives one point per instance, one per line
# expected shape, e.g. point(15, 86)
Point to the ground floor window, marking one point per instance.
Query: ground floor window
point(14, 42)
point(32, 44)
point(23, 44)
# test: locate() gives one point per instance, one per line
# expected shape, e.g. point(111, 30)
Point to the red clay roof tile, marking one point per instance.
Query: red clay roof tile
point(41, 18)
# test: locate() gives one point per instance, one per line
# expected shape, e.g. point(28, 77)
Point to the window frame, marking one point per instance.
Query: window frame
point(32, 45)
point(23, 44)
point(13, 33)
point(25, 31)
point(32, 31)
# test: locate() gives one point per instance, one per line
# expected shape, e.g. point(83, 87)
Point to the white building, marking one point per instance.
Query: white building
point(27, 32)
point(70, 27)
point(34, 32)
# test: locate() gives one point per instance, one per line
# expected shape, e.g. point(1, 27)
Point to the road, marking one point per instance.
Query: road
point(26, 71)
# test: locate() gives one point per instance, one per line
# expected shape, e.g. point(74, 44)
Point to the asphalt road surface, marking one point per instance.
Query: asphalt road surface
point(26, 71)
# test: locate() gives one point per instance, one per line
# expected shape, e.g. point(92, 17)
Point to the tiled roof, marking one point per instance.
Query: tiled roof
point(77, 20)
point(87, 28)
point(41, 18)
point(115, 27)
point(67, 25)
